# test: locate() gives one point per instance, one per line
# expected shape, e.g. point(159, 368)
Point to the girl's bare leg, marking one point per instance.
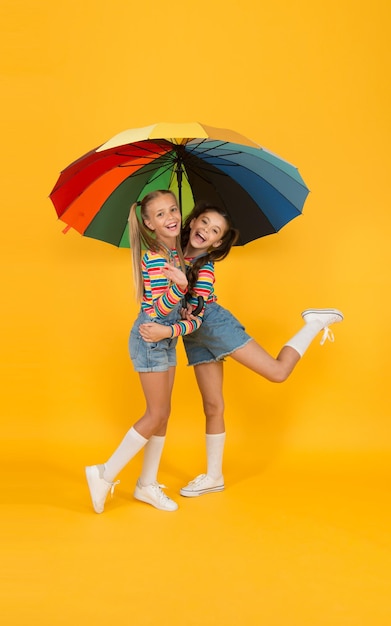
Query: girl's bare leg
point(253, 356)
point(210, 383)
point(157, 388)
point(154, 448)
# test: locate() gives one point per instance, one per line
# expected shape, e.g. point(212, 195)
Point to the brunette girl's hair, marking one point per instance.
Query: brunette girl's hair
point(229, 239)
point(141, 237)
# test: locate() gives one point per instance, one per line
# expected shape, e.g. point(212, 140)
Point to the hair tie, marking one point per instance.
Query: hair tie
point(138, 203)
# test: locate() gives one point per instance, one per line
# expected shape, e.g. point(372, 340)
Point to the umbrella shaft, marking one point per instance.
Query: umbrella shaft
point(179, 172)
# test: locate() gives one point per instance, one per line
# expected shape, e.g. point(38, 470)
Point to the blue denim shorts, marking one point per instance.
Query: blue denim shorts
point(152, 357)
point(219, 335)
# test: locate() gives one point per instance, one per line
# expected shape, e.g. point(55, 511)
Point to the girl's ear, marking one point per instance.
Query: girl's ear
point(216, 244)
point(147, 223)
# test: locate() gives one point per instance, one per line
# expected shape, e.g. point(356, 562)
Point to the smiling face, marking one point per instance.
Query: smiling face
point(164, 219)
point(206, 232)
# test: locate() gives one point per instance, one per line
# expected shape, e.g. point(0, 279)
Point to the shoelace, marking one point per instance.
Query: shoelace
point(327, 335)
point(158, 488)
point(198, 479)
point(113, 486)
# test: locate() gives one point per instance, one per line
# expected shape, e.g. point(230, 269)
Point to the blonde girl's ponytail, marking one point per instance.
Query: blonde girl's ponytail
point(135, 244)
point(140, 238)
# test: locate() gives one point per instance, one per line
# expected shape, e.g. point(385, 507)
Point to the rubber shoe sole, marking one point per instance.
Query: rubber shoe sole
point(153, 494)
point(334, 312)
point(99, 488)
point(201, 486)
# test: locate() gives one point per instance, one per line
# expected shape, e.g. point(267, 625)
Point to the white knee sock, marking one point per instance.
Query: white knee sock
point(152, 455)
point(127, 449)
point(301, 341)
point(214, 454)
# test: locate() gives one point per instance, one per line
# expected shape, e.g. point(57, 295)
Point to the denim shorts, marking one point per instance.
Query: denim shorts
point(219, 335)
point(152, 357)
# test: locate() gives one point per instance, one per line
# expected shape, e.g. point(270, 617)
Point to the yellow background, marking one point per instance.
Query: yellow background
point(311, 82)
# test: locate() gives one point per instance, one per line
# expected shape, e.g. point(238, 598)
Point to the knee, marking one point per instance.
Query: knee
point(214, 407)
point(159, 419)
point(280, 375)
point(159, 424)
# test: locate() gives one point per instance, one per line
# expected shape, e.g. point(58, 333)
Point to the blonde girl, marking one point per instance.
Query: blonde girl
point(160, 286)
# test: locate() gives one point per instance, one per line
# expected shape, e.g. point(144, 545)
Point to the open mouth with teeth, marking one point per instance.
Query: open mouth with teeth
point(173, 226)
point(199, 238)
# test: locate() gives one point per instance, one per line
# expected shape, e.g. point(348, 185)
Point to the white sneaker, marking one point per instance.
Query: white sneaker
point(202, 484)
point(98, 486)
point(153, 494)
point(325, 317)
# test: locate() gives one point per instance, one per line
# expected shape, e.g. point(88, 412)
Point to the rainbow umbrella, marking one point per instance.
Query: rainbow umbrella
point(259, 190)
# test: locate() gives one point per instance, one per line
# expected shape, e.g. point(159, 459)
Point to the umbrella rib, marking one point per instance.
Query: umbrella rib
point(153, 170)
point(162, 167)
point(146, 148)
point(167, 169)
point(192, 149)
point(233, 153)
point(225, 154)
point(162, 159)
point(221, 173)
point(272, 165)
point(234, 165)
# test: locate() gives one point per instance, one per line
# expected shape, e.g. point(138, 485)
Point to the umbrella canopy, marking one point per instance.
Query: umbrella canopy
point(260, 191)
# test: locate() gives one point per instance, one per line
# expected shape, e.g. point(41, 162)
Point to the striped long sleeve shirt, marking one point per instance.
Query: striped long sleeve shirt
point(160, 296)
point(204, 287)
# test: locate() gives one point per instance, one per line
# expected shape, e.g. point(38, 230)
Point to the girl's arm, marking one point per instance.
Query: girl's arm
point(161, 295)
point(152, 332)
point(203, 287)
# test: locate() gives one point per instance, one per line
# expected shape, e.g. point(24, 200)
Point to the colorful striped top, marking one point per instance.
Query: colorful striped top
point(160, 295)
point(204, 287)
point(205, 282)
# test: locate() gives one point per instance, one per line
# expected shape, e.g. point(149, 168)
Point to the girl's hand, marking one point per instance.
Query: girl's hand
point(175, 275)
point(190, 313)
point(183, 313)
point(152, 332)
point(186, 313)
